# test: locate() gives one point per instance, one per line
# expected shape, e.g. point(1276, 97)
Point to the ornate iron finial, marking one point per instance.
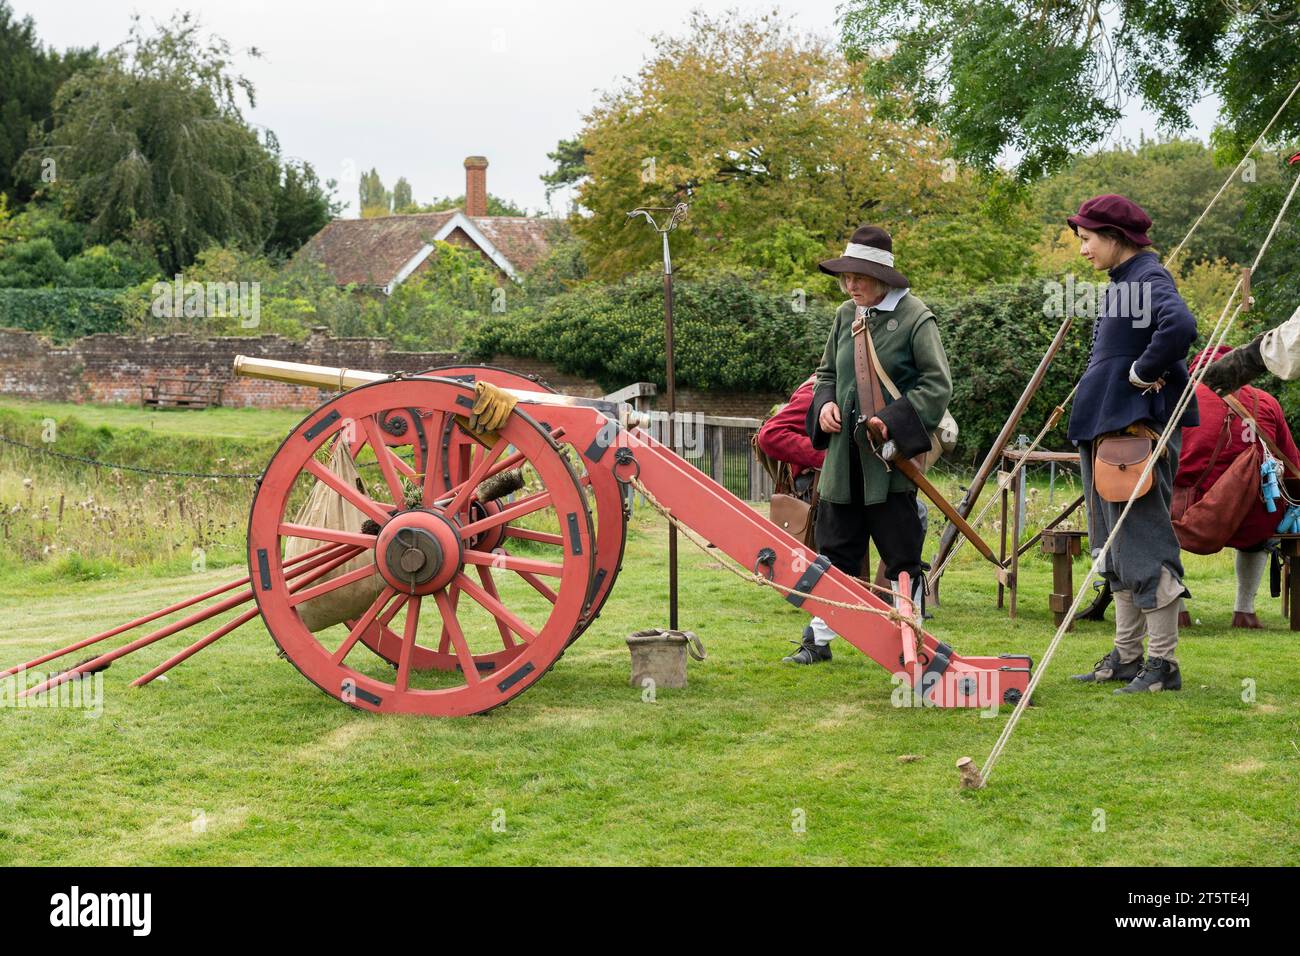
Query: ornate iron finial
point(678, 214)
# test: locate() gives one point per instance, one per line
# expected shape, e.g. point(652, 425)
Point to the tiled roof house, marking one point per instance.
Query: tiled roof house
point(381, 253)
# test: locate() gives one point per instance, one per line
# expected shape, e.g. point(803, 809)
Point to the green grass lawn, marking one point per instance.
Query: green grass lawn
point(237, 759)
point(206, 423)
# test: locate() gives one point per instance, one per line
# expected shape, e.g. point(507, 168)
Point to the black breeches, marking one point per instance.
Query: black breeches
point(893, 525)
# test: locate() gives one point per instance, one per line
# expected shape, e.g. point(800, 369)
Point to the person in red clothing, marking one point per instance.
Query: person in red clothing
point(782, 437)
point(1197, 455)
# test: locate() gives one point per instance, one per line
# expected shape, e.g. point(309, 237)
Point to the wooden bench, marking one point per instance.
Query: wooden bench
point(182, 393)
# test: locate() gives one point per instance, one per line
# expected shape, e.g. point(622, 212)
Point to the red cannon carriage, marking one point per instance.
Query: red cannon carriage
point(512, 579)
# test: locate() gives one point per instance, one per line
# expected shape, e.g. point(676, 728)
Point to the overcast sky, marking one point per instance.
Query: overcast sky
point(412, 87)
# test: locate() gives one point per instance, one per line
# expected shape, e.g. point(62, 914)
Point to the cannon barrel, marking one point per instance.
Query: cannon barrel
point(342, 379)
point(301, 373)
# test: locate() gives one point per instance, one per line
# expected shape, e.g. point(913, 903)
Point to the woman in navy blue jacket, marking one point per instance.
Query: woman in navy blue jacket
point(1136, 374)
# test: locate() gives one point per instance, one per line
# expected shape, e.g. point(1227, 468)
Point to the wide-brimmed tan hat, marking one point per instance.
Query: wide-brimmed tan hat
point(870, 252)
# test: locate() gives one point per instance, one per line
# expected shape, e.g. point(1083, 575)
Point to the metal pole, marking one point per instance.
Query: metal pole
point(672, 425)
point(678, 213)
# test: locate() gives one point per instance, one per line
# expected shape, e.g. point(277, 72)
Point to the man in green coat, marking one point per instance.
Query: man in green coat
point(861, 498)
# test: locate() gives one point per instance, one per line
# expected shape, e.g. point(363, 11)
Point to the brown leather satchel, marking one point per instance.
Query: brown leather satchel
point(796, 515)
point(1187, 495)
point(1205, 525)
point(1119, 460)
point(1205, 519)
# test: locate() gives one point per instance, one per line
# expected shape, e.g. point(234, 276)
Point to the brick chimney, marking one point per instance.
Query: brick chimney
point(476, 186)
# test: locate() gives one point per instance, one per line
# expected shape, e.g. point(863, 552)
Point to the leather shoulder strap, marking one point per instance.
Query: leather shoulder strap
point(1232, 402)
point(885, 380)
point(870, 397)
point(1218, 449)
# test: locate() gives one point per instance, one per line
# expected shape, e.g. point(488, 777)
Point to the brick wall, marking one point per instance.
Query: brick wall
point(111, 368)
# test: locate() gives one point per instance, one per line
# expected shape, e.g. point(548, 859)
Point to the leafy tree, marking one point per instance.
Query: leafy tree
point(375, 200)
point(1276, 283)
point(1173, 180)
point(116, 266)
point(496, 206)
point(401, 195)
point(441, 303)
point(29, 76)
point(303, 207)
point(570, 159)
point(33, 264)
point(151, 144)
point(1043, 79)
point(791, 158)
point(42, 221)
point(564, 267)
point(1205, 286)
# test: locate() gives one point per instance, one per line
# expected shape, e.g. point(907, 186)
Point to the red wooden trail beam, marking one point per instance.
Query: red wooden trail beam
point(236, 622)
point(152, 616)
point(344, 552)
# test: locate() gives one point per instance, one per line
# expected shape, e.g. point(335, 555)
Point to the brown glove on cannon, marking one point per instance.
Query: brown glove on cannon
point(492, 406)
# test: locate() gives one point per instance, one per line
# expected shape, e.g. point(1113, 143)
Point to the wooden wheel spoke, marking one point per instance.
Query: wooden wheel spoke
point(374, 434)
point(450, 622)
point(539, 586)
point(496, 608)
point(365, 620)
point(444, 641)
point(520, 508)
point(509, 562)
point(527, 534)
point(408, 644)
point(366, 505)
point(487, 457)
point(506, 463)
point(485, 576)
point(314, 533)
point(343, 580)
point(401, 465)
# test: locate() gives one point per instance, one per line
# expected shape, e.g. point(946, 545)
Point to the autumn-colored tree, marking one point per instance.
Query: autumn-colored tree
point(767, 133)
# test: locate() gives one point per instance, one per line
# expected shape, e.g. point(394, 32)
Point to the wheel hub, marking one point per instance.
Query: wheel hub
point(418, 552)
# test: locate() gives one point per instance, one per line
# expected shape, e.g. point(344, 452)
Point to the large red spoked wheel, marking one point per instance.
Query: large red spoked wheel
point(439, 438)
point(514, 615)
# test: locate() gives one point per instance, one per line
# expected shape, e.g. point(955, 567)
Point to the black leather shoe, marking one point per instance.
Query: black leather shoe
point(1111, 667)
point(810, 652)
point(1156, 674)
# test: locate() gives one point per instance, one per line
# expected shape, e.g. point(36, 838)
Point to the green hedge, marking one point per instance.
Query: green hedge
point(63, 313)
point(729, 334)
point(995, 339)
